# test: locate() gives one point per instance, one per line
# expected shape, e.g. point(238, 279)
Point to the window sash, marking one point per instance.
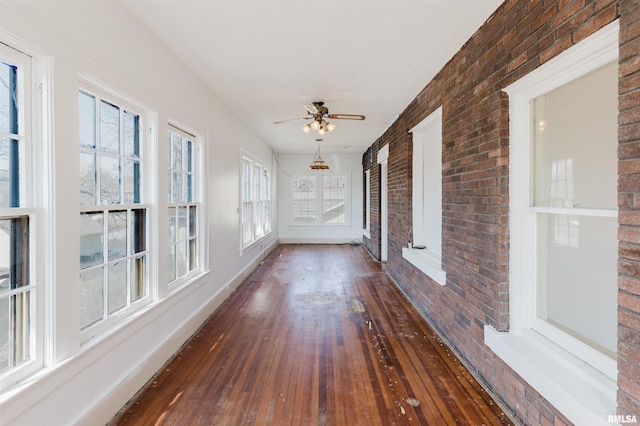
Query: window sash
point(21, 326)
point(114, 257)
point(320, 199)
point(182, 210)
point(255, 211)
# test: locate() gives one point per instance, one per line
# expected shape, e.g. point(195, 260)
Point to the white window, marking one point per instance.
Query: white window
point(563, 216)
point(182, 207)
point(334, 199)
point(21, 316)
point(114, 255)
point(256, 200)
point(320, 199)
point(424, 242)
point(303, 189)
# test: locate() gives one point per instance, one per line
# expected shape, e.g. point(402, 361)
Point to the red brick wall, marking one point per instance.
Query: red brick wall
point(629, 214)
point(519, 37)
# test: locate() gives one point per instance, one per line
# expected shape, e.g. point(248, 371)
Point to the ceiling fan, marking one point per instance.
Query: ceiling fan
point(318, 112)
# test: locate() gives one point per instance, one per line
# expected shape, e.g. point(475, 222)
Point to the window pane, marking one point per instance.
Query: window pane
point(109, 127)
point(176, 186)
point(181, 253)
point(87, 120)
point(139, 230)
point(109, 180)
point(5, 333)
point(170, 191)
point(117, 286)
point(576, 141)
point(9, 172)
point(131, 181)
point(5, 256)
point(171, 218)
point(14, 330)
point(91, 297)
point(87, 178)
point(91, 239)
point(8, 105)
point(14, 253)
point(193, 255)
point(182, 223)
point(189, 185)
point(5, 175)
point(138, 274)
point(577, 277)
point(131, 140)
point(189, 162)
point(192, 221)
point(117, 234)
point(171, 267)
point(176, 154)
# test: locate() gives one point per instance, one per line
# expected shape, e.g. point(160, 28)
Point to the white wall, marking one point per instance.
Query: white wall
point(86, 383)
point(292, 165)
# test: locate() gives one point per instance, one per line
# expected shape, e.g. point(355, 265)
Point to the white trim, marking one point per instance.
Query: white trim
point(383, 154)
point(366, 231)
point(424, 230)
point(586, 395)
point(428, 262)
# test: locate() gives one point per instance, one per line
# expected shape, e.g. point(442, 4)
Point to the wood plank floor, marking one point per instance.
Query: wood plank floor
point(318, 335)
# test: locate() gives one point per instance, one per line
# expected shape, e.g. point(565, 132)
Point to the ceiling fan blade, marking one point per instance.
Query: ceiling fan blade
point(291, 119)
point(312, 108)
point(346, 116)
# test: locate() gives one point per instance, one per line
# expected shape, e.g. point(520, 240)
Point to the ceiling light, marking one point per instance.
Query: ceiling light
point(318, 163)
point(319, 124)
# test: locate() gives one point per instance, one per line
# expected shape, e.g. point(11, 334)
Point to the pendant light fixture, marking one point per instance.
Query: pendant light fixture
point(318, 163)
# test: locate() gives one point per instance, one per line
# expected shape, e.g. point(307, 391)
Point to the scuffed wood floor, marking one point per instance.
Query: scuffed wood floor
point(318, 335)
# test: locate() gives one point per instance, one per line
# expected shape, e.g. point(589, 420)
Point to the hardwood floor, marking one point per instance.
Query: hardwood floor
point(318, 335)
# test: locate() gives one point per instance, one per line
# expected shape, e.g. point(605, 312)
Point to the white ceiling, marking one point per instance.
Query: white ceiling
point(266, 58)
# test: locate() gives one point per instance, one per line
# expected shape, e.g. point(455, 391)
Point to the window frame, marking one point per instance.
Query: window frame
point(423, 229)
point(193, 203)
point(582, 389)
point(30, 197)
point(100, 93)
point(319, 176)
point(255, 209)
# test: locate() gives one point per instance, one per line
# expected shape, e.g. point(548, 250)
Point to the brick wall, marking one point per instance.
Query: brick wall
point(519, 37)
point(629, 214)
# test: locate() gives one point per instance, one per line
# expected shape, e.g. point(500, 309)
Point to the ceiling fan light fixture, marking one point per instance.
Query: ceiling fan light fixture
point(330, 127)
point(306, 128)
point(315, 125)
